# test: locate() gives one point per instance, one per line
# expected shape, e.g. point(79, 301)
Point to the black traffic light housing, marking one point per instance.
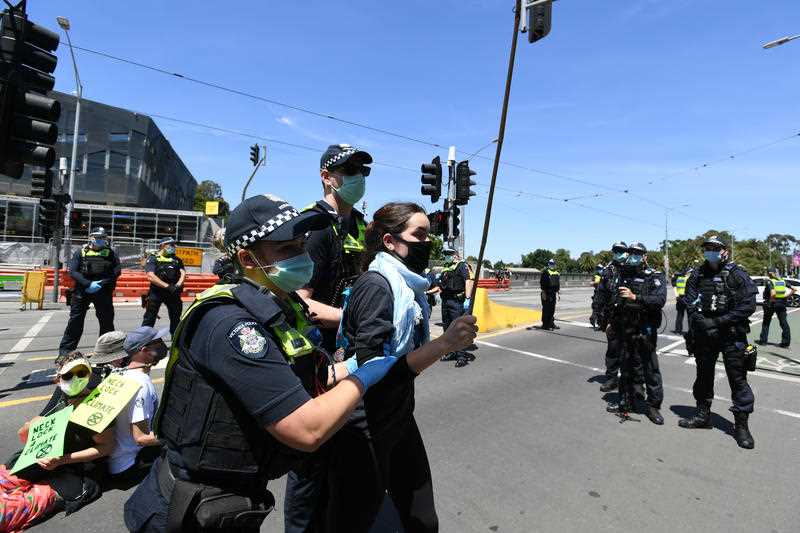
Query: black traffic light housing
point(28, 129)
point(454, 225)
point(539, 21)
point(464, 183)
point(255, 152)
point(432, 179)
point(48, 217)
point(438, 220)
point(41, 183)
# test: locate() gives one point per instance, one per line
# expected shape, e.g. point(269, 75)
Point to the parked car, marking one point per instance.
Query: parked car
point(793, 300)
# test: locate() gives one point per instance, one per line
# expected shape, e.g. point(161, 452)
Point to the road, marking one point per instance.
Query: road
point(520, 440)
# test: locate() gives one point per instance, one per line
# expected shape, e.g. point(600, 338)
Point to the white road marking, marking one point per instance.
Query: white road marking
point(595, 369)
point(25, 341)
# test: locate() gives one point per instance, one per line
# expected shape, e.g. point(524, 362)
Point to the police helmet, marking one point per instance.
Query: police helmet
point(166, 240)
point(99, 233)
point(772, 270)
point(619, 247)
point(714, 241)
point(637, 248)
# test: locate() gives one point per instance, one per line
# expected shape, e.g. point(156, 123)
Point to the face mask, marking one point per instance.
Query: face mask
point(169, 250)
point(620, 257)
point(634, 260)
point(159, 352)
point(98, 243)
point(419, 253)
point(448, 260)
point(712, 256)
point(73, 386)
point(291, 274)
point(352, 189)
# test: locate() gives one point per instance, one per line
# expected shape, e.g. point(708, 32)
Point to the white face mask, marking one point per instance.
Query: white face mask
point(74, 386)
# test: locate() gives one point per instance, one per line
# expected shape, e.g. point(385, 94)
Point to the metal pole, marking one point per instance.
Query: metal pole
point(79, 94)
point(666, 243)
point(500, 137)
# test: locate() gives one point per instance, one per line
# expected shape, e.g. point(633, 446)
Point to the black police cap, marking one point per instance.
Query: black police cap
point(637, 247)
point(713, 240)
point(338, 155)
point(619, 247)
point(268, 218)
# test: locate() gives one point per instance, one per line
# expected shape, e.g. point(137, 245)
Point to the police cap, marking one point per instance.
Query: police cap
point(268, 218)
point(166, 240)
point(637, 248)
point(99, 233)
point(619, 247)
point(714, 242)
point(346, 157)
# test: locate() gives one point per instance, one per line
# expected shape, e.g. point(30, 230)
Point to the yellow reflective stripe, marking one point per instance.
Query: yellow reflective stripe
point(780, 288)
point(680, 285)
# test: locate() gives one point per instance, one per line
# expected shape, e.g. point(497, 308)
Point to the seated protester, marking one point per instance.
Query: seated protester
point(381, 450)
point(57, 483)
point(136, 445)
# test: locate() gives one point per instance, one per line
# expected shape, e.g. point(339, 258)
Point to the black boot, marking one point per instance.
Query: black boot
point(742, 433)
point(655, 416)
point(701, 419)
point(611, 384)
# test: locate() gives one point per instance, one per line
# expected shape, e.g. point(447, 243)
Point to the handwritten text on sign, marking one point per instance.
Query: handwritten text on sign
point(104, 403)
point(45, 439)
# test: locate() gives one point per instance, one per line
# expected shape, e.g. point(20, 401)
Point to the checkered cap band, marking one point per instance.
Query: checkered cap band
point(338, 157)
point(259, 233)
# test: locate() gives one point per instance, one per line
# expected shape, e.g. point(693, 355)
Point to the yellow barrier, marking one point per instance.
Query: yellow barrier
point(33, 288)
point(492, 316)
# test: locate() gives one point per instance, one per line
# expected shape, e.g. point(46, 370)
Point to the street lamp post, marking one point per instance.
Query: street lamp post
point(65, 25)
point(666, 237)
point(782, 40)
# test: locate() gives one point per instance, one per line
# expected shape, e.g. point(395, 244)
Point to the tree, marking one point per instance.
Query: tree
point(536, 259)
point(499, 264)
point(210, 191)
point(436, 248)
point(487, 264)
point(586, 262)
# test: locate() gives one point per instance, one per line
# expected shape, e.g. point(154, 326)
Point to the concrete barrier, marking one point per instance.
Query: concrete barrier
point(493, 316)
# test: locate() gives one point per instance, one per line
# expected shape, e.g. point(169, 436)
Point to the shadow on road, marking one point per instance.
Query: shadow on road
point(718, 422)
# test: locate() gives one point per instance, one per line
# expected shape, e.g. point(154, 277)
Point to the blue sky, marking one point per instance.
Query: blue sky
point(620, 94)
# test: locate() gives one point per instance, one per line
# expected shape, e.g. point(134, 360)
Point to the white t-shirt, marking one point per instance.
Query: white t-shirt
point(142, 406)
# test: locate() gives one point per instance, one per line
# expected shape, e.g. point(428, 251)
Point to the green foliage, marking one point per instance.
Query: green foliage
point(209, 191)
point(536, 259)
point(436, 248)
point(499, 264)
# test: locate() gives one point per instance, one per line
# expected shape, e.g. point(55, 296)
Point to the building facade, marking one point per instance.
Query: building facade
point(123, 159)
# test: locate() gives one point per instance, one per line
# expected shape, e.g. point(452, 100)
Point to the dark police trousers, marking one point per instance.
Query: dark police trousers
point(306, 496)
point(640, 364)
point(680, 309)
point(613, 361)
point(155, 298)
point(707, 351)
point(548, 309)
point(780, 310)
point(79, 305)
point(452, 308)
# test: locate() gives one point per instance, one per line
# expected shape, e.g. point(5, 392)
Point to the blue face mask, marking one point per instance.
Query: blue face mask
point(169, 250)
point(634, 260)
point(290, 274)
point(712, 256)
point(352, 189)
point(97, 244)
point(620, 257)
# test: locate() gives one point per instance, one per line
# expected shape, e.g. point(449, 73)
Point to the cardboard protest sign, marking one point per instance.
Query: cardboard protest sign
point(104, 403)
point(45, 439)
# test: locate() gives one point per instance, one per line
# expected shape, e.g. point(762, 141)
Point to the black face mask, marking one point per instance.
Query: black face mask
point(419, 253)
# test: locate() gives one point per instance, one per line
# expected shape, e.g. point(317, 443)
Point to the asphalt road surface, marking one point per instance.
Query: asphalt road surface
point(520, 440)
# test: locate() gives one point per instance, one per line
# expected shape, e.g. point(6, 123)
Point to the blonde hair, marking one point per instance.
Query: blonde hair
point(219, 240)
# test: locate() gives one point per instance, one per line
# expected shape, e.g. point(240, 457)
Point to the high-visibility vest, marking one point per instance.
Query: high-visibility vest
point(680, 285)
point(779, 286)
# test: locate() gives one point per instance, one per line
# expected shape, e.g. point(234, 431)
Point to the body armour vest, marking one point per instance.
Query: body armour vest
point(451, 281)
point(716, 296)
point(96, 264)
point(219, 443)
point(167, 268)
point(633, 311)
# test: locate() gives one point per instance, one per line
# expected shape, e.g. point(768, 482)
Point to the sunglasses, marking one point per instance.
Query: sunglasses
point(81, 372)
point(352, 170)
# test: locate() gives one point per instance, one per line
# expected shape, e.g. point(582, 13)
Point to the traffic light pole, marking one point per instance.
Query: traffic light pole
point(72, 162)
point(451, 193)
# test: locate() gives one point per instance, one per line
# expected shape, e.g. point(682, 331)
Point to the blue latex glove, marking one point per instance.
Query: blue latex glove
point(466, 304)
point(373, 370)
point(351, 364)
point(94, 287)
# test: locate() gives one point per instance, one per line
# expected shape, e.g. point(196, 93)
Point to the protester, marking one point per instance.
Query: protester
point(381, 449)
point(52, 484)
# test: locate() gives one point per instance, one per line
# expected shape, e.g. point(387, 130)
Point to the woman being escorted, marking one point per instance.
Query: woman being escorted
point(381, 449)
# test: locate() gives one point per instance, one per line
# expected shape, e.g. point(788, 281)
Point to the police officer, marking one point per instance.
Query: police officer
point(776, 293)
point(720, 297)
point(236, 409)
point(95, 269)
point(550, 284)
point(604, 299)
point(635, 318)
point(166, 274)
point(336, 250)
point(454, 286)
point(596, 278)
point(680, 305)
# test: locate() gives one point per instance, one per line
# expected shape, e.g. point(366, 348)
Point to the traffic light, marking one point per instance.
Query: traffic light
point(455, 222)
point(48, 217)
point(28, 129)
point(438, 220)
point(41, 183)
point(432, 179)
point(539, 20)
point(464, 182)
point(254, 154)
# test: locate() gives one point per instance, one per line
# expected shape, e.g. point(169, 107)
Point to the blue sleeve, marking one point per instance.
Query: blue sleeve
point(369, 322)
point(150, 265)
point(243, 357)
point(74, 267)
point(463, 271)
point(692, 295)
point(656, 295)
point(117, 266)
point(744, 298)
